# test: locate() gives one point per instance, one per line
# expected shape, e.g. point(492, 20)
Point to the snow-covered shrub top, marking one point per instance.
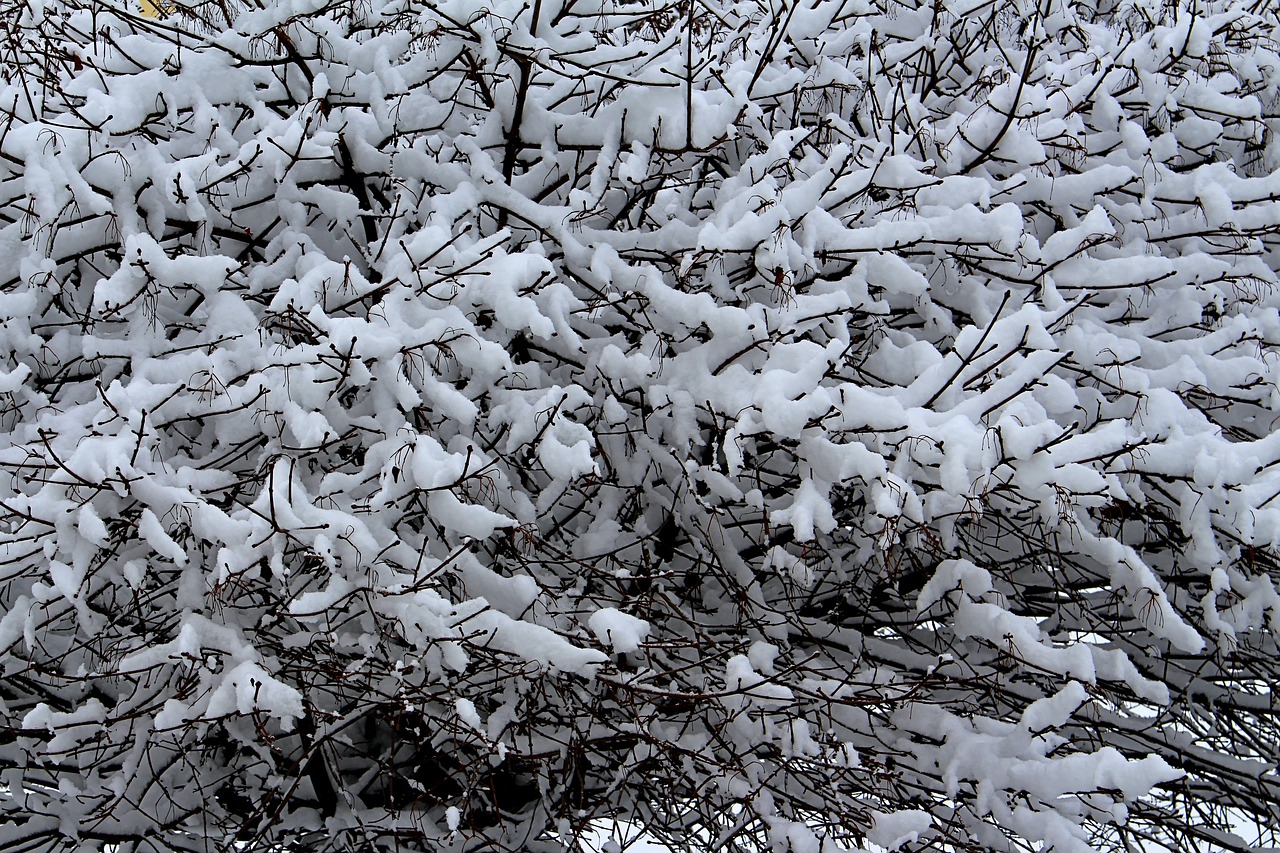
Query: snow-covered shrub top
point(841, 424)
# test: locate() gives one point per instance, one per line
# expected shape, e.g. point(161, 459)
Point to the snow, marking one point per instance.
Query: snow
point(247, 688)
point(831, 416)
point(892, 831)
point(467, 713)
point(619, 631)
point(529, 641)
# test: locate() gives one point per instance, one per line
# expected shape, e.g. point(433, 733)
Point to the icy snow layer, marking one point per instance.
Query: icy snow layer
point(837, 424)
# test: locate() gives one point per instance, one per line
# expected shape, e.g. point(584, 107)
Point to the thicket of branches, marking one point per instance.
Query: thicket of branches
point(793, 424)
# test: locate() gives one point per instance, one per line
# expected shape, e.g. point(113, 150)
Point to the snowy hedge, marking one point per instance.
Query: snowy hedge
point(789, 424)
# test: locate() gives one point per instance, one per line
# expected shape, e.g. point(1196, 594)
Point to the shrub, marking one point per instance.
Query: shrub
point(796, 425)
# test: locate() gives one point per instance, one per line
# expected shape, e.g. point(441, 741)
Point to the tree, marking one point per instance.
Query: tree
point(808, 425)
